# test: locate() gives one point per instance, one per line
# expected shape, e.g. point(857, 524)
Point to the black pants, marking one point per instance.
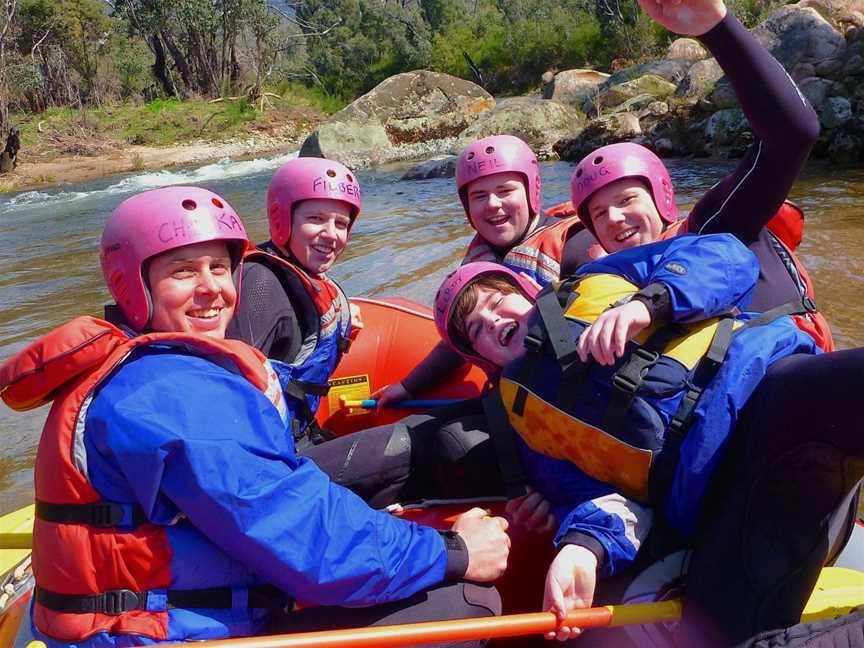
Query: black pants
point(441, 455)
point(796, 458)
point(445, 454)
point(454, 601)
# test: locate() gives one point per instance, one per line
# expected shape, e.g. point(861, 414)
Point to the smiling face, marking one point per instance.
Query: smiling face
point(192, 289)
point(498, 208)
point(624, 215)
point(496, 326)
point(319, 233)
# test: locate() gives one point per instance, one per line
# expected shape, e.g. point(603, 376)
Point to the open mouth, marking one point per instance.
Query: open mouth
point(497, 220)
point(507, 333)
point(626, 234)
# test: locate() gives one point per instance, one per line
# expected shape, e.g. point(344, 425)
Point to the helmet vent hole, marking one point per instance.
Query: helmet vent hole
point(598, 160)
point(579, 172)
point(189, 205)
point(217, 202)
point(350, 179)
point(490, 150)
point(470, 155)
point(331, 173)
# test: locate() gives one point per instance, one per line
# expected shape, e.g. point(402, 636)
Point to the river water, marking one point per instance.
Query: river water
point(408, 237)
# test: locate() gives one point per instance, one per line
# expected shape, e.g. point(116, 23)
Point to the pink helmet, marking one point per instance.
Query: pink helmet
point(498, 154)
point(624, 160)
point(303, 179)
point(453, 286)
point(157, 221)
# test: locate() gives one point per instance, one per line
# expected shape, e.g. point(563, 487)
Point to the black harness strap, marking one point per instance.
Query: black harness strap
point(96, 514)
point(629, 377)
point(806, 305)
point(299, 389)
point(119, 601)
point(505, 450)
point(666, 461)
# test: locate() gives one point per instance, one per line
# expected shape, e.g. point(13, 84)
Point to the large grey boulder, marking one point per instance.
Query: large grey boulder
point(799, 34)
point(728, 128)
point(539, 122)
point(815, 90)
point(648, 84)
point(439, 167)
point(839, 13)
point(672, 70)
point(573, 87)
point(700, 80)
point(413, 114)
point(611, 129)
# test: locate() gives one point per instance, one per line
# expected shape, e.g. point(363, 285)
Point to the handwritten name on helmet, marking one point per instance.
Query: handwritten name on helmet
point(587, 179)
point(192, 228)
point(474, 165)
point(333, 188)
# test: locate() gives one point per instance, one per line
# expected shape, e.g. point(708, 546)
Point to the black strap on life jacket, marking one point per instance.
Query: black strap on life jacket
point(627, 380)
point(502, 434)
point(663, 470)
point(96, 514)
point(120, 601)
point(298, 390)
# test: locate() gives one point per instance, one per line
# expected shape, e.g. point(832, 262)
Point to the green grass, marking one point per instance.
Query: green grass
point(163, 122)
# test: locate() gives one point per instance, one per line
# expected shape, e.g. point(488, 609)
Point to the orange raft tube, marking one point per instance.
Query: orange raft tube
point(396, 335)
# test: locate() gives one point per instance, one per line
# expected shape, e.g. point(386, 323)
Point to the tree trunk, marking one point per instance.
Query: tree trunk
point(160, 67)
point(180, 62)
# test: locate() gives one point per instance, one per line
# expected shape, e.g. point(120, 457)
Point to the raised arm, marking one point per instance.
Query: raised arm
point(785, 125)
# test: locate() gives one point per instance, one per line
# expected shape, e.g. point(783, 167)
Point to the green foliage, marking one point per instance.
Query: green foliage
point(753, 12)
point(314, 96)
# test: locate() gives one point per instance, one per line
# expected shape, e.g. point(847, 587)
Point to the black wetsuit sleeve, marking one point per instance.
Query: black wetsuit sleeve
point(266, 318)
point(785, 129)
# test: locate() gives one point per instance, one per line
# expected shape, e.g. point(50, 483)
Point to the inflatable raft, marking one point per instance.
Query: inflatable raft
point(397, 334)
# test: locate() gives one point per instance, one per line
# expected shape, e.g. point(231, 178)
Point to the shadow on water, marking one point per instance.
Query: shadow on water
point(409, 236)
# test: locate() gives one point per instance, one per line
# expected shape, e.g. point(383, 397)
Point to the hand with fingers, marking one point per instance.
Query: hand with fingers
point(356, 321)
point(487, 542)
point(390, 395)
point(685, 17)
point(606, 339)
point(570, 584)
point(531, 512)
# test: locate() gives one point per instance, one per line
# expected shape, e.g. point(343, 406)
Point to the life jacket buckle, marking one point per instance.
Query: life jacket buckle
point(106, 514)
point(118, 602)
point(625, 384)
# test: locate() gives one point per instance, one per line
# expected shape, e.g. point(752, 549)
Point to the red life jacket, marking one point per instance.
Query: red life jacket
point(786, 229)
point(330, 302)
point(66, 366)
point(538, 255)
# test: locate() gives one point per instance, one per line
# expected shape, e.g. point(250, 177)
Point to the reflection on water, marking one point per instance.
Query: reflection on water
point(408, 237)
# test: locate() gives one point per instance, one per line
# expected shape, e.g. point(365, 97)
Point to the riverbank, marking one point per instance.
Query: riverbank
point(71, 146)
point(81, 168)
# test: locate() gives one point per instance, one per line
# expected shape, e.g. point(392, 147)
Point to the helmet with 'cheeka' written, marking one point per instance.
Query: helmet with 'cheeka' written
point(498, 154)
point(156, 221)
point(307, 178)
point(615, 162)
point(453, 286)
